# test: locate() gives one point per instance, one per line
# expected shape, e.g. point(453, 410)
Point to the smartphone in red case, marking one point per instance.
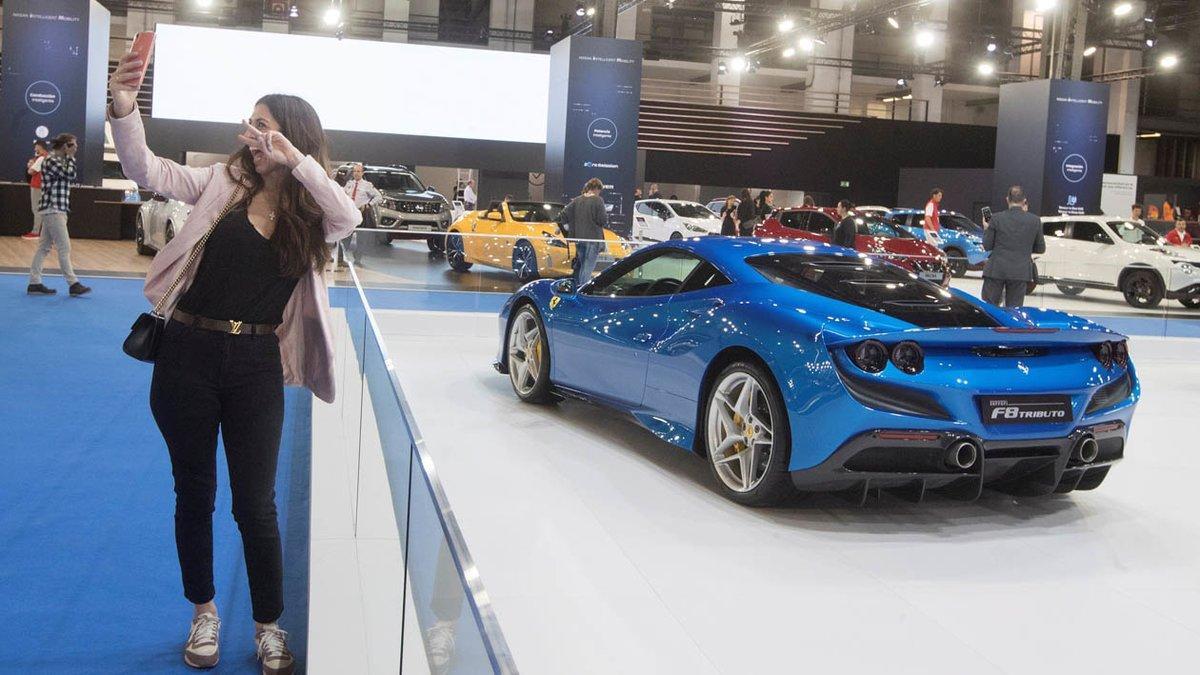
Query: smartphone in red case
point(143, 46)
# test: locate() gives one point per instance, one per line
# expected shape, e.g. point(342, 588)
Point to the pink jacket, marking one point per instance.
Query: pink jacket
point(305, 338)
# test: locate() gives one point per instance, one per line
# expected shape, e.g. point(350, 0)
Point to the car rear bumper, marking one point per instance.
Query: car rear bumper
point(913, 462)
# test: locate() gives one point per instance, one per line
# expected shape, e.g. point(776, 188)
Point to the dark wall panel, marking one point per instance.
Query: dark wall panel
point(869, 155)
point(965, 190)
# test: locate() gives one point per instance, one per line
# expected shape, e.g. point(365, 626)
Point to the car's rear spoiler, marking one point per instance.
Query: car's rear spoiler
point(984, 337)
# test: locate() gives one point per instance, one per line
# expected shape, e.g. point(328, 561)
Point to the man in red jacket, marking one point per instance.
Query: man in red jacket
point(1179, 236)
point(33, 168)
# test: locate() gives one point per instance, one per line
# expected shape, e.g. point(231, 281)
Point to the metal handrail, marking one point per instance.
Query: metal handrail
point(479, 601)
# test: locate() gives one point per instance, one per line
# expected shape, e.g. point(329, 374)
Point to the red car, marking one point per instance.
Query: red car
point(876, 237)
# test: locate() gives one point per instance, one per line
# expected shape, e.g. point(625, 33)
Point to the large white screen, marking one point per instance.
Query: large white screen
point(216, 75)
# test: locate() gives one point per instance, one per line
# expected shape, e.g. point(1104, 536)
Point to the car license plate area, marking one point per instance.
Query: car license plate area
point(420, 228)
point(1034, 409)
point(930, 275)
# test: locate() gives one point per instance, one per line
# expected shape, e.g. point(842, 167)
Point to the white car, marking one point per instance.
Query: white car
point(1100, 252)
point(157, 222)
point(663, 219)
point(872, 210)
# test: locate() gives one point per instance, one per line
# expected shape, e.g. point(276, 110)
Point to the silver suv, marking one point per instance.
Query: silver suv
point(409, 210)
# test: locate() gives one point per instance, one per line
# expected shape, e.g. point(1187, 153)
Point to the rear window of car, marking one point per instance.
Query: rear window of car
point(876, 286)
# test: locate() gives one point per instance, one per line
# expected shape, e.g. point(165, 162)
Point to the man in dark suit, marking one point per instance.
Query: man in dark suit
point(1012, 238)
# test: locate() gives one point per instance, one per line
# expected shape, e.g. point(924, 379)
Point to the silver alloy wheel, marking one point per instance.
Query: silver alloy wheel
point(525, 352)
point(740, 434)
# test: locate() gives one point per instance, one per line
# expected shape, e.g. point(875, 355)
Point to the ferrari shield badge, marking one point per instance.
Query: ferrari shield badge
point(554, 300)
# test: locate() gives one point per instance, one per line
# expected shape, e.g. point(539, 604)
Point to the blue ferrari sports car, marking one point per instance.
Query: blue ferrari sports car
point(802, 366)
point(962, 239)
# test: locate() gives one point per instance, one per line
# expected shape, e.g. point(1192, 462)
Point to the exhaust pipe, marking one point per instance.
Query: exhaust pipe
point(1086, 450)
point(962, 455)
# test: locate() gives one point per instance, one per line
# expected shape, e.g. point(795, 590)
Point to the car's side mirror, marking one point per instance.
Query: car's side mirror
point(564, 287)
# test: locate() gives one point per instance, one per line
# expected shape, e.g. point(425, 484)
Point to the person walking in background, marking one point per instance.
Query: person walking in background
point(1179, 236)
point(33, 169)
point(809, 203)
point(1168, 211)
point(764, 205)
point(1013, 237)
point(585, 218)
point(251, 316)
point(932, 223)
point(58, 172)
point(637, 193)
point(846, 232)
point(747, 214)
point(729, 223)
point(654, 193)
point(469, 198)
point(1135, 214)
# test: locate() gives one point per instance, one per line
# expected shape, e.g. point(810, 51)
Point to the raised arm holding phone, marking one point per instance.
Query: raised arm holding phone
point(246, 309)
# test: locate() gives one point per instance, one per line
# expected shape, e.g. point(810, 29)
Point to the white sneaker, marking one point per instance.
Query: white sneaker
point(439, 645)
point(273, 651)
point(203, 647)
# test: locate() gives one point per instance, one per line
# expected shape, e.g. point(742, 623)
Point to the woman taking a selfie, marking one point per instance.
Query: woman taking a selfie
point(248, 315)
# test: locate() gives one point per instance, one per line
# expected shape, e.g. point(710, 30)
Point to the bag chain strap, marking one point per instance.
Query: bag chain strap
point(196, 251)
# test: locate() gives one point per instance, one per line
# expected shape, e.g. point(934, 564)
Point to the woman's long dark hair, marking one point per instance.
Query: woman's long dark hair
point(298, 239)
point(745, 195)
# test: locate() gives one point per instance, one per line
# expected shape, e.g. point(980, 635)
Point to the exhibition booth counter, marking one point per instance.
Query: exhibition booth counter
point(96, 212)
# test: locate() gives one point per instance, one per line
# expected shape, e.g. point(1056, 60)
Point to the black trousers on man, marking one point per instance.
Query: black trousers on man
point(1010, 291)
point(205, 381)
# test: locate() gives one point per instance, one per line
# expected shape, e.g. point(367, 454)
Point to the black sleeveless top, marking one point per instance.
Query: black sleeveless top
point(238, 277)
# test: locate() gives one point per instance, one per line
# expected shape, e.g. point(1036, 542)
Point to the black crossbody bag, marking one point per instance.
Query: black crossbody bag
point(146, 332)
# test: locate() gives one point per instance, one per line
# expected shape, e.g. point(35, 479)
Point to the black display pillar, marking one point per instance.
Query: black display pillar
point(55, 64)
point(1050, 140)
point(595, 90)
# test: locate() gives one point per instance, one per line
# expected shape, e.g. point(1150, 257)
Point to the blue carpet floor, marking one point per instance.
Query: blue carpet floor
point(87, 556)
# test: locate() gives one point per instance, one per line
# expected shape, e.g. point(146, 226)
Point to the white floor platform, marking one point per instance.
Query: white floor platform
point(607, 551)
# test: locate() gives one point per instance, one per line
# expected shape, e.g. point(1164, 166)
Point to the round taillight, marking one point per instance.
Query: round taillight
point(909, 357)
point(1104, 353)
point(1121, 353)
point(870, 355)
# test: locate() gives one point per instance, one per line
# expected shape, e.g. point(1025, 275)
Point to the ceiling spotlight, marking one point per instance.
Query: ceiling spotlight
point(893, 22)
point(1168, 61)
point(738, 63)
point(294, 12)
point(806, 44)
point(789, 52)
point(939, 80)
point(901, 81)
point(991, 46)
point(333, 16)
point(752, 66)
point(591, 11)
point(721, 68)
point(580, 10)
point(1150, 41)
point(1044, 6)
point(786, 25)
point(204, 4)
point(1122, 8)
point(924, 38)
point(986, 68)
point(1089, 50)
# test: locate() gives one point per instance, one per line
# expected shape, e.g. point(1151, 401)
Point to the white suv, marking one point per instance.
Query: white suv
point(663, 219)
point(1100, 252)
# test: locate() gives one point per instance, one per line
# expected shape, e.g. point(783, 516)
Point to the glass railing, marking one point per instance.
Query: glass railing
point(436, 616)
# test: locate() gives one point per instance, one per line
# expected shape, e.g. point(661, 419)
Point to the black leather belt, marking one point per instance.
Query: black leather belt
point(231, 327)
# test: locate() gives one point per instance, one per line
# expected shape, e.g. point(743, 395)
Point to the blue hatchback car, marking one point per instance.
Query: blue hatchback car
point(799, 365)
point(962, 238)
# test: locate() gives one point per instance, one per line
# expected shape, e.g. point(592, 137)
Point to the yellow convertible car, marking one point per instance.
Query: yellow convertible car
point(522, 236)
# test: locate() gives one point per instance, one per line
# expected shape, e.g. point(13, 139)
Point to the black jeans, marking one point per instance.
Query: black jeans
point(205, 381)
point(1010, 291)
